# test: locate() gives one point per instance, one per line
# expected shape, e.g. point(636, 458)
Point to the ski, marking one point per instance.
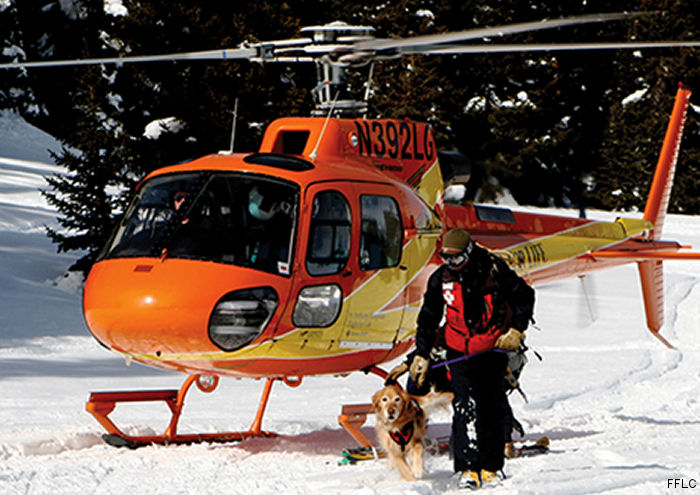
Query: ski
point(441, 445)
point(351, 456)
point(541, 446)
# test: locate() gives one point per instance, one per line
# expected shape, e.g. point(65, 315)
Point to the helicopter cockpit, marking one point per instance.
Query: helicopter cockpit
point(225, 217)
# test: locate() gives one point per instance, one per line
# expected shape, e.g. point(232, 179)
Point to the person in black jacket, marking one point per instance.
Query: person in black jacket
point(487, 308)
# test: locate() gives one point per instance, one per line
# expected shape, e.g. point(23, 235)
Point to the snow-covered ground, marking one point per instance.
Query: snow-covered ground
point(623, 412)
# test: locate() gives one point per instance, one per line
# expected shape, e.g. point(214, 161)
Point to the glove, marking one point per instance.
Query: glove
point(510, 341)
point(419, 369)
point(396, 373)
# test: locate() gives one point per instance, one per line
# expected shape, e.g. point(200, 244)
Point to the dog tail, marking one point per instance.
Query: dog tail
point(435, 401)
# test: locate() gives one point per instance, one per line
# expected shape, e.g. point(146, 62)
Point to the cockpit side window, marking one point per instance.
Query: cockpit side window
point(329, 234)
point(382, 232)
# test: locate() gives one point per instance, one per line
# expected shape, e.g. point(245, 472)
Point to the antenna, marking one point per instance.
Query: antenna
point(233, 129)
point(368, 89)
point(314, 153)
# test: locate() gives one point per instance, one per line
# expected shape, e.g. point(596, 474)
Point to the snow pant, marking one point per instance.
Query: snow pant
point(508, 423)
point(482, 414)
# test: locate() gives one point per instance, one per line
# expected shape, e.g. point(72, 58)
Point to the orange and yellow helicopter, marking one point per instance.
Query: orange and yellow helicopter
point(310, 256)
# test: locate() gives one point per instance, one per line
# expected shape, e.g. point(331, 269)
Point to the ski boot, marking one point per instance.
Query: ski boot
point(470, 480)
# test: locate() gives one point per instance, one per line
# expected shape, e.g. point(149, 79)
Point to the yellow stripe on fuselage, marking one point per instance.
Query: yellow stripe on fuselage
point(431, 187)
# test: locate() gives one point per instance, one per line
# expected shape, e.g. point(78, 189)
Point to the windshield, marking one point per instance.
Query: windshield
point(241, 219)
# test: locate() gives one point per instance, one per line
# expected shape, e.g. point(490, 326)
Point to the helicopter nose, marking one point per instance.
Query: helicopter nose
point(179, 306)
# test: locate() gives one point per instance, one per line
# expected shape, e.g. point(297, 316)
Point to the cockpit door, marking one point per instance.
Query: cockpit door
point(325, 269)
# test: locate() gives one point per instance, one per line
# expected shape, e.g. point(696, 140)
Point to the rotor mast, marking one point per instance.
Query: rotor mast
point(335, 41)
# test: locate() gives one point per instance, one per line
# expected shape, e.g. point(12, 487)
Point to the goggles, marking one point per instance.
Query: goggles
point(456, 259)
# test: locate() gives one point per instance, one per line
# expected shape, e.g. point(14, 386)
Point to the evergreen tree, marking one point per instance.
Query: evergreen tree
point(48, 30)
point(108, 149)
point(640, 103)
point(540, 123)
point(201, 94)
point(85, 195)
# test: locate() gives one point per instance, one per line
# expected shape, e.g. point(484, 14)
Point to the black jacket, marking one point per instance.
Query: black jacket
point(484, 273)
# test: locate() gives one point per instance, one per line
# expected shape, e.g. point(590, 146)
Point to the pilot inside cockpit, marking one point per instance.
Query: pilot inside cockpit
point(269, 227)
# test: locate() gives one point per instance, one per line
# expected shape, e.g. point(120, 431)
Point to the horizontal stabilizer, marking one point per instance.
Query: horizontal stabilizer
point(646, 255)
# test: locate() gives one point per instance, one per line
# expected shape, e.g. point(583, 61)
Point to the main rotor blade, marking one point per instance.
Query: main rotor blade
point(413, 44)
point(223, 54)
point(546, 47)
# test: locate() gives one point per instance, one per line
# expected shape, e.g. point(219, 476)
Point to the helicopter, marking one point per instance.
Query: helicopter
point(310, 255)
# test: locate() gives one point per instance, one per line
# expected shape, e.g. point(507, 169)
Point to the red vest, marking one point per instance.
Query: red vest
point(458, 335)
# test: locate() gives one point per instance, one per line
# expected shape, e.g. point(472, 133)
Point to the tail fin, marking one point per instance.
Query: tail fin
point(651, 275)
point(651, 272)
point(657, 203)
point(435, 401)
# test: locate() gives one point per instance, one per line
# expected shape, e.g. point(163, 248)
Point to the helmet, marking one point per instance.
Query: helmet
point(259, 206)
point(455, 241)
point(457, 245)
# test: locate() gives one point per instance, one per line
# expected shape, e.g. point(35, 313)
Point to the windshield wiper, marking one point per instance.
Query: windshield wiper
point(173, 224)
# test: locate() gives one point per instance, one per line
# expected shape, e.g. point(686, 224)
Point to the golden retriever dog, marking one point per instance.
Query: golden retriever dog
point(400, 426)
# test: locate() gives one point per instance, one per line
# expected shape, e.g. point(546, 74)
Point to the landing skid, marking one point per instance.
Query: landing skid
point(101, 404)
